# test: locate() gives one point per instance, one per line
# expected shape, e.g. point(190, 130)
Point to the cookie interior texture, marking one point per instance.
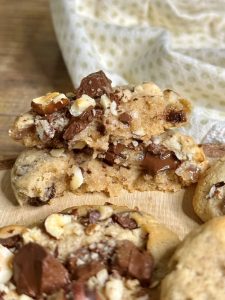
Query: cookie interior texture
point(197, 266)
point(209, 198)
point(169, 162)
point(87, 252)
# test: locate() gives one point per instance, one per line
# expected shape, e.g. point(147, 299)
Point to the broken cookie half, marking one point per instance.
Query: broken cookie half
point(96, 112)
point(88, 252)
point(166, 162)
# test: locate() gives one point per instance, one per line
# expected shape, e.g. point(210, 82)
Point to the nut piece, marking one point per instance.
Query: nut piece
point(55, 223)
point(81, 104)
point(6, 257)
point(11, 230)
point(148, 88)
point(105, 102)
point(77, 178)
point(49, 103)
point(114, 289)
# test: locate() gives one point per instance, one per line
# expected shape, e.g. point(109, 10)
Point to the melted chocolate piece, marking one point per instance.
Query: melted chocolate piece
point(124, 220)
point(91, 218)
point(125, 118)
point(79, 123)
point(95, 85)
point(49, 194)
point(132, 262)
point(84, 272)
point(113, 152)
point(12, 241)
point(176, 116)
point(158, 158)
point(219, 184)
point(36, 271)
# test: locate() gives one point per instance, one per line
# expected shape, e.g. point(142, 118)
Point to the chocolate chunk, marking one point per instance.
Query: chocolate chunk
point(84, 272)
point(78, 124)
point(91, 218)
point(176, 116)
point(102, 129)
point(125, 118)
point(12, 241)
point(132, 262)
point(219, 184)
point(39, 201)
point(124, 220)
point(158, 158)
point(36, 271)
point(113, 152)
point(36, 201)
point(94, 85)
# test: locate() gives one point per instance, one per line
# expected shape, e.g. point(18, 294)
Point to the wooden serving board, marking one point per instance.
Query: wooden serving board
point(173, 209)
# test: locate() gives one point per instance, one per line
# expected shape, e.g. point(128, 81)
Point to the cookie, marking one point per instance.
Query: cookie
point(209, 198)
point(197, 266)
point(87, 252)
point(96, 113)
point(167, 162)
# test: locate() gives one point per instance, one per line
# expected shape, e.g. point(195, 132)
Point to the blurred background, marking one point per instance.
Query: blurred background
point(30, 62)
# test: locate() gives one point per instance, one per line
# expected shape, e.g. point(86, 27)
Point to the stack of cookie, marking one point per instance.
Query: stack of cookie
point(104, 139)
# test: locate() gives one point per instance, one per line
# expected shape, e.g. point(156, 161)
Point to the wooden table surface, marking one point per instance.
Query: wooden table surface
point(30, 62)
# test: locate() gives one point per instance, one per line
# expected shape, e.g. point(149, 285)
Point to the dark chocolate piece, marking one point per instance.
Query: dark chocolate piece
point(125, 118)
point(176, 116)
point(124, 220)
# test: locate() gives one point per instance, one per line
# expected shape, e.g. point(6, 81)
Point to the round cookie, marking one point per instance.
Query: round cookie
point(87, 252)
point(209, 198)
point(197, 266)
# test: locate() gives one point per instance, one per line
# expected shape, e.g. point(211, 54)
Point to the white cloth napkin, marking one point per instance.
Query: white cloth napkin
point(177, 44)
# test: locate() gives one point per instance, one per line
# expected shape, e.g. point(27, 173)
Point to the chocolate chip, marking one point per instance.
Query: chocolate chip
point(176, 116)
point(159, 159)
point(91, 218)
point(78, 124)
point(132, 262)
point(125, 118)
point(36, 271)
point(101, 128)
point(94, 85)
point(113, 152)
point(219, 184)
point(84, 272)
point(39, 201)
point(35, 201)
point(124, 220)
point(12, 241)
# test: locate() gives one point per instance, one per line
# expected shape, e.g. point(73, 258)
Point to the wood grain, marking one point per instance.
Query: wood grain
point(31, 62)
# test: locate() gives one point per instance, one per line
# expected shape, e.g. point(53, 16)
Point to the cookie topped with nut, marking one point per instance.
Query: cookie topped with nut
point(87, 252)
point(209, 198)
point(96, 111)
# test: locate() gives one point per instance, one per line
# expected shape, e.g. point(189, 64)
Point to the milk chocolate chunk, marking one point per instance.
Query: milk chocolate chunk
point(176, 116)
point(79, 123)
point(132, 262)
point(12, 241)
point(113, 152)
point(36, 271)
point(125, 118)
point(124, 221)
point(95, 85)
point(159, 159)
point(84, 272)
point(91, 218)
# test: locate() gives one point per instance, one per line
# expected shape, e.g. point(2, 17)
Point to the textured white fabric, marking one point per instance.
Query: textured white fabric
point(177, 44)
